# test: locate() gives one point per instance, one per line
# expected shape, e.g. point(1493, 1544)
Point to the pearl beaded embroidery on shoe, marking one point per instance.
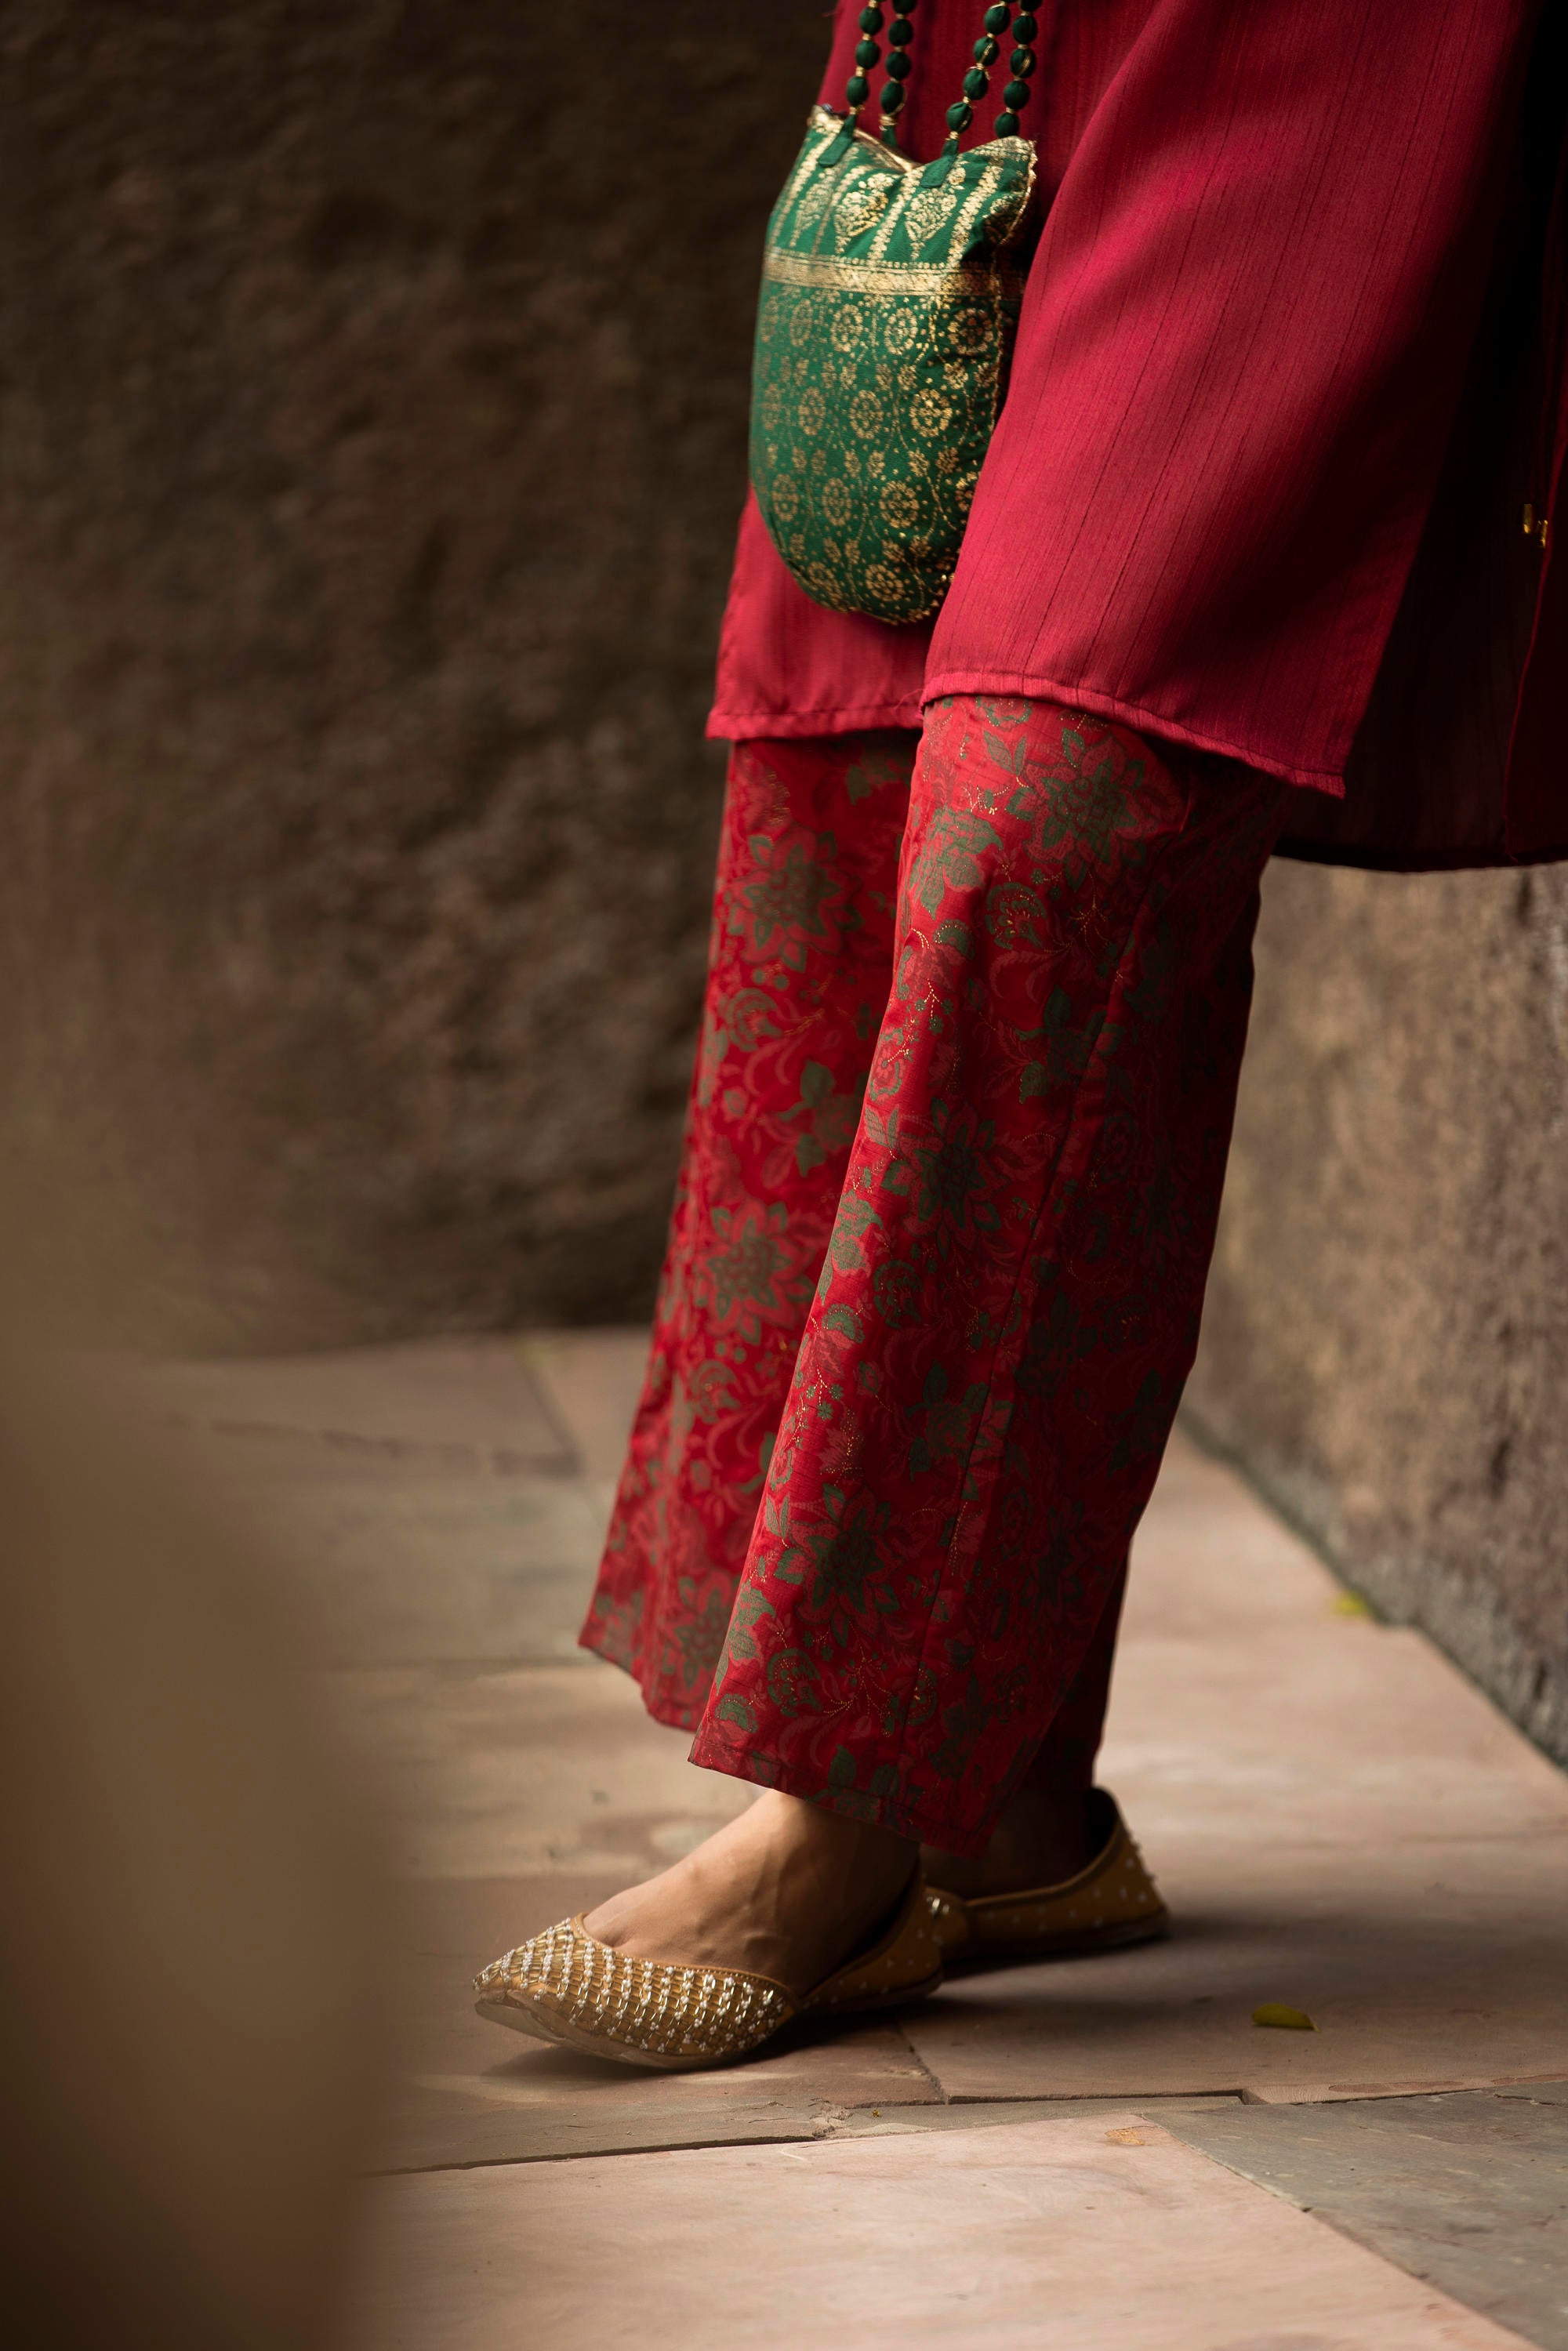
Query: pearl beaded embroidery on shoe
point(565, 1975)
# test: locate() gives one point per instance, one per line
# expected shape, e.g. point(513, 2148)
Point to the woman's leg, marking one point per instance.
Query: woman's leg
point(1007, 1311)
point(1010, 1301)
point(800, 966)
point(1047, 1830)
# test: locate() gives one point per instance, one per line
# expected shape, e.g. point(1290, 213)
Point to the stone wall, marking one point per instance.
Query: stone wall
point(1386, 1343)
point(371, 435)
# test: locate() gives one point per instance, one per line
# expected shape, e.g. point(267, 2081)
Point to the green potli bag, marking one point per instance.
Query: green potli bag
point(890, 298)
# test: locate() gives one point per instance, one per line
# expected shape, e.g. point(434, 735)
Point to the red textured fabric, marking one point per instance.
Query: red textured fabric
point(1242, 354)
point(912, 1376)
point(800, 962)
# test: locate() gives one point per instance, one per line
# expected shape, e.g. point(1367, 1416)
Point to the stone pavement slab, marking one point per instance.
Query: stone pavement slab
point(1422, 1968)
point(432, 1501)
point(591, 1381)
point(487, 2097)
point(518, 1773)
point(1339, 1819)
point(470, 2093)
point(428, 1572)
point(457, 1404)
point(1102, 2234)
point(989, 2113)
point(1469, 2190)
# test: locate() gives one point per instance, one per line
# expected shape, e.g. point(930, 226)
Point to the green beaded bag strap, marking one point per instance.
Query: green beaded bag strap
point(891, 292)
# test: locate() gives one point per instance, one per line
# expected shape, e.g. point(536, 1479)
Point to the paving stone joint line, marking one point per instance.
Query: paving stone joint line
point(498, 1460)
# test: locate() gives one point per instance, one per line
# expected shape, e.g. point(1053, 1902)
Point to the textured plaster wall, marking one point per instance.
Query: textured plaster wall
point(1386, 1344)
point(371, 434)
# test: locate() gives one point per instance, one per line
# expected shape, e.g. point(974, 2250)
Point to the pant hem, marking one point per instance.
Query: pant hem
point(913, 1820)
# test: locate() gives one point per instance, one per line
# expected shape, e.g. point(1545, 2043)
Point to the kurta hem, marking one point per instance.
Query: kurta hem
point(792, 726)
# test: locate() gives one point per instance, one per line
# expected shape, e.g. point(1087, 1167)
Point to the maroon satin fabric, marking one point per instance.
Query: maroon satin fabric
point(1265, 303)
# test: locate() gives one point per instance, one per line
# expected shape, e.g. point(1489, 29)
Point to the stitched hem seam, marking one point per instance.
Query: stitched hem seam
point(914, 1820)
point(788, 725)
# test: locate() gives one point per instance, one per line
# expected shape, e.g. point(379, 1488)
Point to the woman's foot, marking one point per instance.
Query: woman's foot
point(1061, 1877)
point(1044, 1836)
point(787, 1890)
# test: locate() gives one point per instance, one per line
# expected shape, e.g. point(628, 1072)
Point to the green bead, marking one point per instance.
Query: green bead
point(898, 65)
point(1015, 95)
point(1022, 63)
point(976, 83)
point(867, 53)
point(857, 90)
point(1006, 126)
point(960, 117)
point(900, 32)
point(987, 52)
point(1025, 28)
point(871, 20)
point(891, 97)
point(996, 20)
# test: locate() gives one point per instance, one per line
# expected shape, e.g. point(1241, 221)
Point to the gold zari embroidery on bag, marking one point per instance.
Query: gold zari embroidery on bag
point(890, 296)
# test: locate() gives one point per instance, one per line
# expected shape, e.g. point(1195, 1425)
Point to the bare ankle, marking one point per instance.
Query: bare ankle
point(858, 1848)
point(1045, 1835)
point(787, 1890)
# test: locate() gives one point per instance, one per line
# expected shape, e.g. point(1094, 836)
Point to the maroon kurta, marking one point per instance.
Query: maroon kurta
point(1287, 373)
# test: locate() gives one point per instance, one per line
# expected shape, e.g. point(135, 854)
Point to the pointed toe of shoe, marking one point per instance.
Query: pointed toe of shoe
point(566, 1986)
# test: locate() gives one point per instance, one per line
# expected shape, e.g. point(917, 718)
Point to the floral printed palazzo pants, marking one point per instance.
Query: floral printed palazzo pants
point(975, 1015)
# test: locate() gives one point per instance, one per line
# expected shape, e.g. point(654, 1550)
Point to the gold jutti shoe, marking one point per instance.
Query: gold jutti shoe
point(567, 1986)
point(1111, 1903)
